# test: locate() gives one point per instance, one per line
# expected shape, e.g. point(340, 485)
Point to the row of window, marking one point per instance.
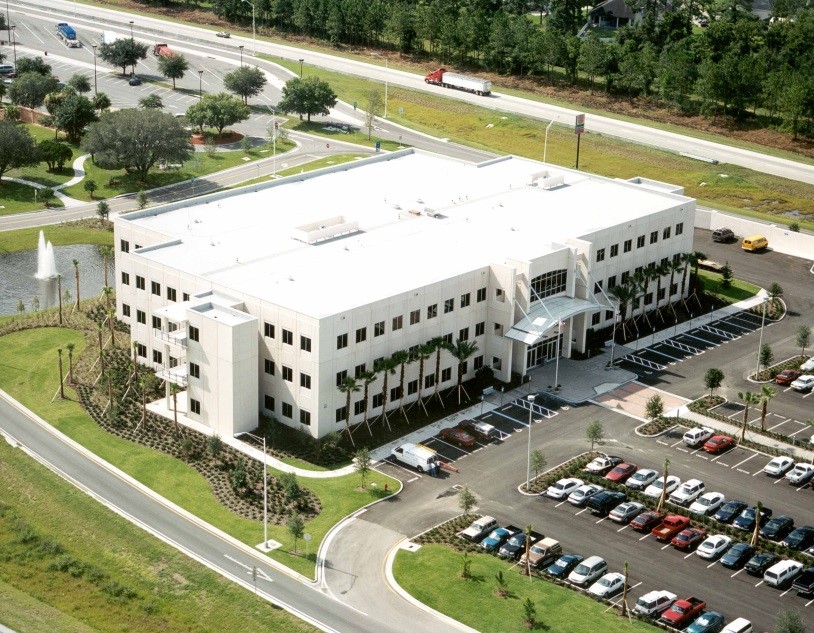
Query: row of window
point(640, 240)
point(155, 287)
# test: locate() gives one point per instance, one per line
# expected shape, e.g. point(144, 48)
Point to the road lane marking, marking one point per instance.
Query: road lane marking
point(249, 568)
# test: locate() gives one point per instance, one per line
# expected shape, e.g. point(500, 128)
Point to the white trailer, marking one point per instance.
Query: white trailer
point(108, 37)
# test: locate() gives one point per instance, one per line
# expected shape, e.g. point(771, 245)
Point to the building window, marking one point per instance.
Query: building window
point(429, 381)
point(628, 246)
point(157, 358)
point(288, 337)
point(598, 287)
point(654, 237)
point(465, 300)
point(478, 362)
point(268, 402)
point(481, 294)
point(185, 296)
point(395, 393)
point(661, 294)
point(340, 377)
point(480, 328)
point(141, 350)
point(125, 310)
point(673, 289)
point(680, 228)
point(500, 295)
point(305, 417)
point(359, 370)
point(195, 406)
point(600, 255)
point(359, 407)
point(377, 363)
point(432, 311)
point(595, 318)
point(268, 366)
point(378, 329)
point(608, 314)
point(415, 317)
point(463, 334)
point(155, 288)
point(194, 333)
point(342, 341)
point(640, 241)
point(378, 400)
point(288, 374)
point(614, 250)
point(156, 323)
point(648, 298)
point(676, 257)
point(288, 410)
point(550, 283)
point(268, 329)
point(412, 387)
point(447, 338)
point(413, 352)
point(664, 261)
point(625, 277)
point(172, 294)
point(305, 381)
point(141, 317)
point(446, 374)
point(611, 282)
point(173, 361)
point(137, 246)
point(361, 335)
point(194, 370)
point(125, 278)
point(497, 363)
point(498, 329)
point(125, 246)
point(305, 343)
point(140, 283)
point(398, 322)
point(665, 234)
point(449, 305)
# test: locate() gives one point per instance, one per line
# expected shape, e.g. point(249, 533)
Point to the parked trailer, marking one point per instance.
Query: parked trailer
point(109, 37)
point(67, 34)
point(445, 79)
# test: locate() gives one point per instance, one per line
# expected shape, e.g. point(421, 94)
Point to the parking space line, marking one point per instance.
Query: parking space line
point(665, 547)
point(808, 394)
point(458, 448)
point(785, 592)
point(644, 537)
point(809, 603)
point(683, 450)
point(409, 481)
point(412, 472)
point(758, 584)
point(801, 487)
point(688, 555)
point(746, 472)
point(715, 562)
point(600, 520)
point(753, 455)
point(676, 444)
point(736, 573)
point(662, 443)
point(757, 473)
point(777, 481)
point(560, 503)
point(624, 527)
point(772, 428)
point(796, 432)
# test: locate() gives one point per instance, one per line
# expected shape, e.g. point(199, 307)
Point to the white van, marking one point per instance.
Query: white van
point(698, 435)
point(741, 625)
point(782, 573)
point(419, 457)
point(654, 603)
point(7, 70)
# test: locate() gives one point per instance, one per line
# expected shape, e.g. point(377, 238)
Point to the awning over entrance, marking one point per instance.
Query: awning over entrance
point(546, 313)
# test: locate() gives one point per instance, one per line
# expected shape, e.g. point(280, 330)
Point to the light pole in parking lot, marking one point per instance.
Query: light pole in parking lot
point(760, 342)
point(254, 30)
point(265, 491)
point(301, 61)
point(95, 86)
point(200, 85)
point(14, 44)
point(530, 399)
point(131, 30)
point(241, 56)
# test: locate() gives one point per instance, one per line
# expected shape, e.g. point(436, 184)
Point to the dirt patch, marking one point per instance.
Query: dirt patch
point(227, 138)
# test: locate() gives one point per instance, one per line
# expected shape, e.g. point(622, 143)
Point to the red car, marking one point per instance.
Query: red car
point(458, 436)
point(621, 472)
point(688, 539)
point(718, 443)
point(646, 521)
point(787, 376)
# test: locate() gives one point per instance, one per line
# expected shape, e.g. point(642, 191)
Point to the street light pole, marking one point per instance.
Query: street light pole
point(530, 398)
point(301, 61)
point(14, 44)
point(131, 30)
point(386, 69)
point(200, 85)
point(95, 86)
point(254, 30)
point(265, 492)
point(241, 56)
point(545, 143)
point(760, 342)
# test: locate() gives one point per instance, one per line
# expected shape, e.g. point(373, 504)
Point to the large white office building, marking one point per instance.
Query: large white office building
point(262, 299)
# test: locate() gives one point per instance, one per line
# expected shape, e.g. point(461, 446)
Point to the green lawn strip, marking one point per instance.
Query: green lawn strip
point(432, 575)
point(171, 591)
point(33, 380)
point(738, 291)
point(18, 198)
point(39, 173)
point(359, 138)
point(58, 234)
point(319, 163)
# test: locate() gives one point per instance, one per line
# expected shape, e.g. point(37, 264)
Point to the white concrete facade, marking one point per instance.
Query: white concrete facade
point(293, 283)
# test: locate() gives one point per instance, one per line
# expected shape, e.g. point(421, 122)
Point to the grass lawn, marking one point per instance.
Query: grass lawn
point(104, 574)
point(19, 198)
point(432, 575)
point(58, 234)
point(39, 173)
point(34, 381)
point(738, 291)
point(359, 138)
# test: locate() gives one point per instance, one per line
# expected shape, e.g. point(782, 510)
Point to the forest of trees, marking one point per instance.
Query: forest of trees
point(738, 66)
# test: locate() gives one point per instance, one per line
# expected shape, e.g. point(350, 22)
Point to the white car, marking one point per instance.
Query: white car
point(626, 512)
point(602, 464)
point(714, 546)
point(688, 492)
point(654, 489)
point(801, 473)
point(609, 585)
point(581, 494)
point(779, 466)
point(708, 503)
point(563, 487)
point(808, 365)
point(588, 571)
point(642, 478)
point(803, 383)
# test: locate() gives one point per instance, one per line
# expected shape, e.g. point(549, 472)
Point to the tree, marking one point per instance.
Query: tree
point(726, 276)
point(246, 81)
point(296, 528)
point(789, 621)
point(713, 379)
point(90, 186)
point(70, 347)
point(173, 67)
point(309, 96)
point(766, 355)
point(217, 111)
point(593, 58)
point(372, 110)
point(367, 377)
point(595, 433)
point(11, 112)
point(466, 500)
point(103, 210)
point(101, 101)
point(501, 589)
point(803, 338)
point(54, 153)
point(348, 386)
point(73, 115)
point(767, 392)
point(3, 90)
point(775, 290)
point(17, 147)
point(76, 275)
point(665, 476)
point(20, 307)
point(529, 614)
point(107, 253)
point(538, 461)
point(362, 463)
point(141, 199)
point(749, 398)
point(136, 139)
point(151, 101)
point(29, 90)
point(214, 445)
point(80, 83)
point(123, 52)
point(387, 366)
point(654, 408)
point(462, 351)
point(32, 65)
point(61, 377)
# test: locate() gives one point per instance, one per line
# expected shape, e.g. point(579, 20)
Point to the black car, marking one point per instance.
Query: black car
point(737, 555)
point(778, 527)
point(135, 80)
point(564, 565)
point(760, 562)
point(746, 519)
point(802, 538)
point(603, 502)
point(730, 510)
point(514, 546)
point(805, 583)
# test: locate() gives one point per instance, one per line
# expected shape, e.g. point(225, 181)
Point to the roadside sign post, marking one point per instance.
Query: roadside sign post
point(579, 129)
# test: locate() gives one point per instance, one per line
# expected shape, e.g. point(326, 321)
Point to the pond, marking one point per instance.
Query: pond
point(17, 281)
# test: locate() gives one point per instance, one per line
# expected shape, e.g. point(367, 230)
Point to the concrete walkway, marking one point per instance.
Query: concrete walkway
point(67, 201)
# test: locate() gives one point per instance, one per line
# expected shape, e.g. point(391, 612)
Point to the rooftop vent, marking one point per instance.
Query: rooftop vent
point(326, 229)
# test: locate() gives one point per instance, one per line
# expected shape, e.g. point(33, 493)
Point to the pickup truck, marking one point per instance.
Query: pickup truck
point(682, 612)
point(542, 553)
point(672, 525)
point(516, 545)
point(805, 583)
point(479, 528)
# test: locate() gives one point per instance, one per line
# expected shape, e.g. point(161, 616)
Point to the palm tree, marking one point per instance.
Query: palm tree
point(438, 345)
point(367, 377)
point(401, 358)
point(107, 291)
point(767, 392)
point(638, 282)
point(758, 511)
point(423, 353)
point(686, 261)
point(109, 376)
point(696, 257)
point(61, 385)
point(174, 389)
point(107, 253)
point(348, 386)
point(660, 271)
point(387, 366)
point(111, 321)
point(147, 384)
point(70, 347)
point(462, 350)
point(624, 294)
point(664, 486)
point(59, 296)
point(76, 272)
point(101, 351)
point(749, 398)
point(676, 265)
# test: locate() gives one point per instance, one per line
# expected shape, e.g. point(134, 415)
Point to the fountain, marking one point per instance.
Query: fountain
point(46, 264)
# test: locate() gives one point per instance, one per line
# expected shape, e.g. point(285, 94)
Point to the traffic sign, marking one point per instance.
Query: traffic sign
point(579, 124)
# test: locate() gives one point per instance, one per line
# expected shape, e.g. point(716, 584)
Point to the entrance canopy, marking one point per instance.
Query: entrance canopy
point(546, 313)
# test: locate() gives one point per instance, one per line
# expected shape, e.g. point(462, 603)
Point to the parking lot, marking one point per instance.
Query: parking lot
point(796, 429)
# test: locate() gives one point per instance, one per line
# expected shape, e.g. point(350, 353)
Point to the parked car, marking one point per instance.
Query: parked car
point(496, 538)
point(782, 573)
point(714, 546)
point(654, 489)
point(225, 34)
point(581, 495)
point(730, 510)
point(778, 527)
point(787, 376)
point(626, 512)
point(654, 603)
point(516, 545)
point(542, 553)
point(602, 464)
point(609, 585)
point(646, 521)
point(687, 492)
point(688, 539)
point(800, 474)
point(481, 430)
point(621, 472)
point(738, 555)
point(803, 383)
point(805, 582)
point(738, 625)
point(603, 502)
point(707, 622)
point(683, 612)
point(563, 565)
point(800, 539)
point(588, 571)
point(563, 488)
point(670, 527)
point(808, 365)
point(457, 436)
point(135, 80)
point(718, 443)
point(707, 503)
point(642, 478)
point(746, 519)
point(698, 435)
point(760, 562)
point(479, 528)
point(779, 466)
point(723, 234)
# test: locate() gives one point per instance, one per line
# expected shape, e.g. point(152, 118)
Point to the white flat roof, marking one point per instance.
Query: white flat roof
point(248, 240)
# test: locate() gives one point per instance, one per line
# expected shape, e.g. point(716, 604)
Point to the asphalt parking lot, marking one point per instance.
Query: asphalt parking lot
point(797, 429)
